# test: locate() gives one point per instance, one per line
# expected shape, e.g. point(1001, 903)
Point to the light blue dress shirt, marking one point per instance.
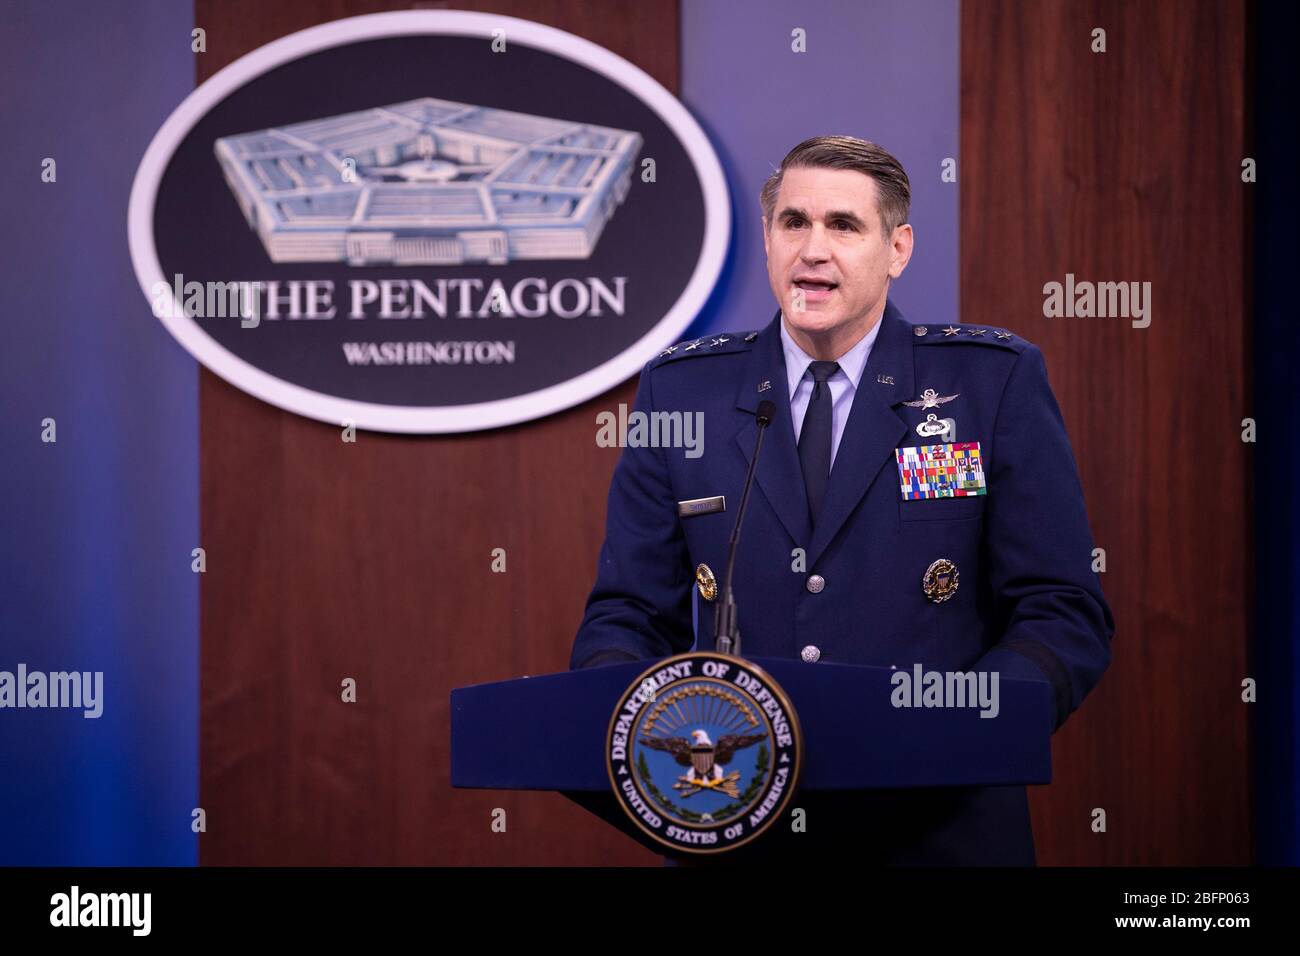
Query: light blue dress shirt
point(843, 384)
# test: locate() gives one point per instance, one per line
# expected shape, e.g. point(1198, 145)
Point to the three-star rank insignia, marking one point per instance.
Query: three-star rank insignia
point(967, 333)
point(720, 343)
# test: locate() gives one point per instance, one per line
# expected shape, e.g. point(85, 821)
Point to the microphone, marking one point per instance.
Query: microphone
point(726, 633)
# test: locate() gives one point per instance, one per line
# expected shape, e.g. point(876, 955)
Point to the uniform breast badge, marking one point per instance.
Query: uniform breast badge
point(949, 470)
point(931, 399)
point(706, 582)
point(940, 581)
point(945, 429)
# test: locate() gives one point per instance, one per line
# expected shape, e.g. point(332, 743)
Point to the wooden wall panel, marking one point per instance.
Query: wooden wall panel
point(371, 560)
point(1126, 165)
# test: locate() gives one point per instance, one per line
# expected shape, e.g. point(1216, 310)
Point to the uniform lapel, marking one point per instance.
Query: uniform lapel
point(873, 429)
point(779, 476)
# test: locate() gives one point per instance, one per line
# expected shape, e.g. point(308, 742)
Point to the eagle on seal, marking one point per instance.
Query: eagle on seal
point(703, 758)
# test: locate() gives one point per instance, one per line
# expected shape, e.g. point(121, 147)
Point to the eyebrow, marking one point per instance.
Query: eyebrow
point(834, 214)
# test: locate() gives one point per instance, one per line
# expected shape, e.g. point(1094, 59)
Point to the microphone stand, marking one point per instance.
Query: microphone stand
point(725, 627)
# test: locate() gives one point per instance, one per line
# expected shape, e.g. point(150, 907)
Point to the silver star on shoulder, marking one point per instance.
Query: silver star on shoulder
point(751, 336)
point(693, 345)
point(718, 341)
point(1004, 335)
point(668, 351)
point(978, 331)
point(931, 399)
point(951, 330)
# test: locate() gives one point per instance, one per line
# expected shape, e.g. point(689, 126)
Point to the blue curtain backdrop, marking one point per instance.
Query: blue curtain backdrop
point(888, 71)
point(96, 528)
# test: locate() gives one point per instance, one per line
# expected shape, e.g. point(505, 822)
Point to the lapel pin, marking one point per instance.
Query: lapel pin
point(885, 379)
point(764, 385)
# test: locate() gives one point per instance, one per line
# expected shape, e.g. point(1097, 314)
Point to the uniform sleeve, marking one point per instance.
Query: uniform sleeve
point(640, 606)
point(1055, 622)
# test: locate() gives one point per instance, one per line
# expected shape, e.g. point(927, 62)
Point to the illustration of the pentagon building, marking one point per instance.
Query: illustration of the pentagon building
point(429, 182)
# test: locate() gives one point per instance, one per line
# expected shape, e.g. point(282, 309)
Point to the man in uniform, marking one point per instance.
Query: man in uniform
point(916, 501)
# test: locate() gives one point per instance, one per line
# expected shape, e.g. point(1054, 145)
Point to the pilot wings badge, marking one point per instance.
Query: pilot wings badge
point(931, 399)
point(703, 752)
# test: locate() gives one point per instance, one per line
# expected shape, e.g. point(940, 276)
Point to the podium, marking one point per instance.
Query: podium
point(548, 732)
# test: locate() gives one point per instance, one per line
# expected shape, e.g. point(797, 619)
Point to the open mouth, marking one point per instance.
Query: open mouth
point(811, 285)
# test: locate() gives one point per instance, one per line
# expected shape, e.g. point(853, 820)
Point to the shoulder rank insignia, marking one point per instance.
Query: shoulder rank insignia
point(972, 334)
point(722, 343)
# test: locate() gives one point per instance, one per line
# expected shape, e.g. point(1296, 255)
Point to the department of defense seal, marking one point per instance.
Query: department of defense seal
point(703, 752)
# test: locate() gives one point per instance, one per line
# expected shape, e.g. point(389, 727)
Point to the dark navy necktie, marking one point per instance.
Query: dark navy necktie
point(815, 437)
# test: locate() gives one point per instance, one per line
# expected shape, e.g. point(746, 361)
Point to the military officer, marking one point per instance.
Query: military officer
point(916, 500)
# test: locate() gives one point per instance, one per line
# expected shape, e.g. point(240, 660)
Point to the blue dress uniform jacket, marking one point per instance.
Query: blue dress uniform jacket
point(1028, 604)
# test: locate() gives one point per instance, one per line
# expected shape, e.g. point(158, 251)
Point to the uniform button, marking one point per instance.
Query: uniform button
point(810, 654)
point(815, 583)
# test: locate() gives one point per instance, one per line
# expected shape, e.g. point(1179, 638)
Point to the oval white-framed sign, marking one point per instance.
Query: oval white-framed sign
point(428, 222)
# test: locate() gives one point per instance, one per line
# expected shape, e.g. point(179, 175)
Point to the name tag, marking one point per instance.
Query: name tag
point(952, 470)
point(701, 506)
